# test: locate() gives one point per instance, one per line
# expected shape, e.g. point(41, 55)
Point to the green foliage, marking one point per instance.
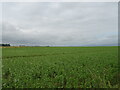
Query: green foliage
point(60, 67)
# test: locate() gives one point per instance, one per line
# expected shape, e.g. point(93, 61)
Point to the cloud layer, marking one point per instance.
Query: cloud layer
point(60, 23)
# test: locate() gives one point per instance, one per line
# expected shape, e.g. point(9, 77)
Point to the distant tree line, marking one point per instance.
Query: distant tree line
point(4, 44)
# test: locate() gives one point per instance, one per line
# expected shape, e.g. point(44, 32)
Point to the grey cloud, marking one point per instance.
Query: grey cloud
point(60, 23)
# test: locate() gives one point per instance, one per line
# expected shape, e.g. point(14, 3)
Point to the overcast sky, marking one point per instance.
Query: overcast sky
point(60, 23)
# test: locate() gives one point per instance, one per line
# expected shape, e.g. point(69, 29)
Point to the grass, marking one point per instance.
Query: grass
point(60, 67)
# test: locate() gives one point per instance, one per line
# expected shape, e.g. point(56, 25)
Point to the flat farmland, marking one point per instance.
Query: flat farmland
point(60, 67)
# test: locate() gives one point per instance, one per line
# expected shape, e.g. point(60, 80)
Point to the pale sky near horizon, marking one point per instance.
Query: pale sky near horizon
point(60, 23)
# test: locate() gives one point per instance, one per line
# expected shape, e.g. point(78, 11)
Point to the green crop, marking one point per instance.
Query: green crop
point(60, 67)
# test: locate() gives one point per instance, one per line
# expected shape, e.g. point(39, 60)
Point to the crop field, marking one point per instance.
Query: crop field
point(60, 67)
